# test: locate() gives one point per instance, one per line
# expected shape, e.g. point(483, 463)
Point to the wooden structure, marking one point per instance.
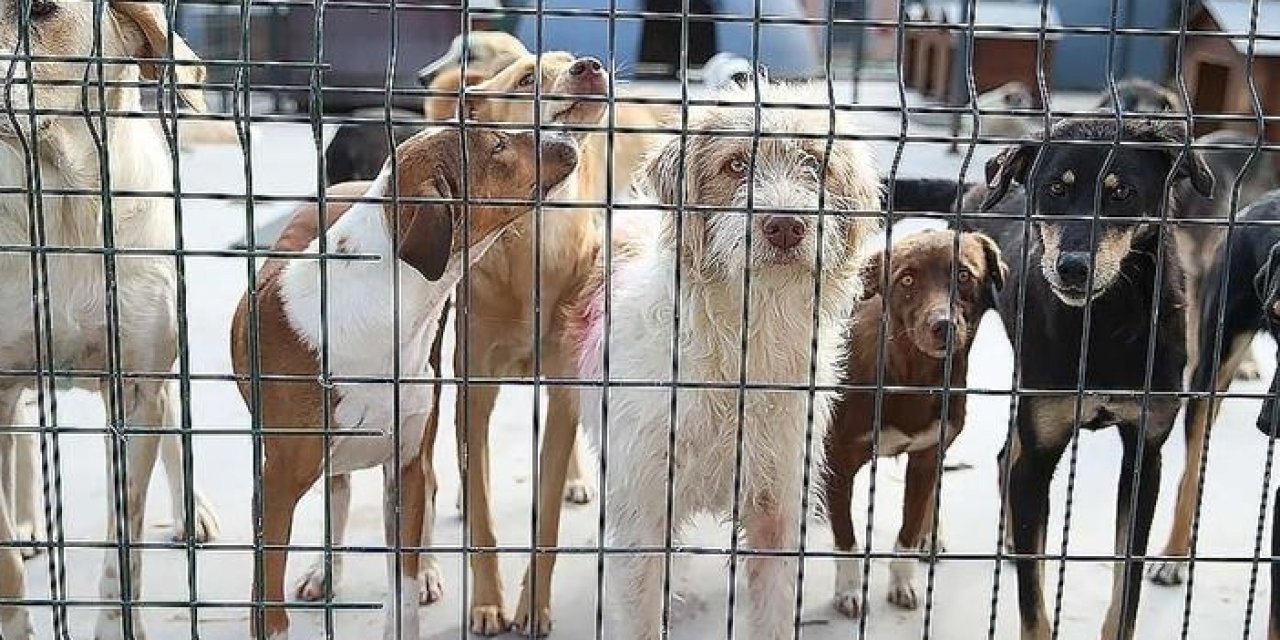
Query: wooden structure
point(933, 46)
point(1215, 68)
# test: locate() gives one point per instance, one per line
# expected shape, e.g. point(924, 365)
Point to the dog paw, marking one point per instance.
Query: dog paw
point(1248, 371)
point(849, 603)
point(207, 526)
point(1168, 573)
point(432, 582)
point(312, 586)
point(532, 627)
point(27, 533)
point(109, 627)
point(579, 492)
point(903, 594)
point(488, 620)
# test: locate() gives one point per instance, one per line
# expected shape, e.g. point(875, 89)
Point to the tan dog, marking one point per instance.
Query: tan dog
point(365, 339)
point(74, 332)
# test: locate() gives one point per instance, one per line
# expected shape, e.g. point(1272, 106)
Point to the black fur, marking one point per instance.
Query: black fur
point(1120, 332)
point(358, 151)
point(925, 194)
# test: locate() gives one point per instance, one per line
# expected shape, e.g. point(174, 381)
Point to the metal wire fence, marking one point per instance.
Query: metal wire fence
point(731, 293)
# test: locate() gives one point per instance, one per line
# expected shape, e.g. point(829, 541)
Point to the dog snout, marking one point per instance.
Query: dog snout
point(940, 323)
point(784, 232)
point(1073, 268)
point(559, 158)
point(585, 65)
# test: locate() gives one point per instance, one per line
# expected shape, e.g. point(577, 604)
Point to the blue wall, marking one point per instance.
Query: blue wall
point(1081, 60)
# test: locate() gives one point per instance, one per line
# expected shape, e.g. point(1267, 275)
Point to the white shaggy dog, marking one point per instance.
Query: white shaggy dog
point(696, 272)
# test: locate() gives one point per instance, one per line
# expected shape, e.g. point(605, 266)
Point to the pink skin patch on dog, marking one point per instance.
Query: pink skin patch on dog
point(591, 335)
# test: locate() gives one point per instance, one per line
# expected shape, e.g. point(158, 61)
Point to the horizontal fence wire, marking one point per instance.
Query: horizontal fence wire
point(133, 222)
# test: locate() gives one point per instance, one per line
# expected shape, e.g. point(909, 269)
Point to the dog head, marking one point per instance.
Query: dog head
point(1073, 182)
point(919, 270)
point(1267, 286)
point(63, 29)
point(499, 166)
point(486, 53)
point(1140, 96)
point(564, 81)
point(775, 184)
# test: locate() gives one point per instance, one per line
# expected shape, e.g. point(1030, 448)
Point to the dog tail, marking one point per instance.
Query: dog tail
point(934, 195)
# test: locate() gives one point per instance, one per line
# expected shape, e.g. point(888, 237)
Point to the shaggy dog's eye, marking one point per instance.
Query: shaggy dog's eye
point(41, 9)
point(737, 166)
point(526, 81)
point(906, 280)
point(1057, 189)
point(500, 145)
point(964, 276)
point(1121, 192)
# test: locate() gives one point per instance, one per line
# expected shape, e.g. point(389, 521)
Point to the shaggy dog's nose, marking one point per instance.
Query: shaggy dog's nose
point(1073, 268)
point(783, 232)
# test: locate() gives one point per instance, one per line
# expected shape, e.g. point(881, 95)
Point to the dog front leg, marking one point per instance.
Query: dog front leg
point(771, 580)
point(1031, 476)
point(844, 461)
point(322, 578)
point(917, 516)
point(404, 495)
point(475, 405)
point(15, 620)
point(1126, 585)
point(635, 519)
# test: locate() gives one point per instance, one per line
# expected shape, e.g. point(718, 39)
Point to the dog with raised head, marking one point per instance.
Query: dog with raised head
point(77, 330)
point(498, 328)
point(756, 218)
point(1117, 261)
point(423, 245)
point(1267, 287)
point(929, 298)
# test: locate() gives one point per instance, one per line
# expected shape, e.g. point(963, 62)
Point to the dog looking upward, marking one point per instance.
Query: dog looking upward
point(693, 266)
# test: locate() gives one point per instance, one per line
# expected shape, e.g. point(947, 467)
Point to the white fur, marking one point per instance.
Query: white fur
point(362, 338)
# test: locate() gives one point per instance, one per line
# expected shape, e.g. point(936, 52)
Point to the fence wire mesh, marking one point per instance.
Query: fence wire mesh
point(717, 256)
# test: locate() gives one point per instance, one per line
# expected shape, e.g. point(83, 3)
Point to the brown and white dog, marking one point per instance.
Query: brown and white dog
point(924, 327)
point(693, 267)
point(424, 245)
point(74, 331)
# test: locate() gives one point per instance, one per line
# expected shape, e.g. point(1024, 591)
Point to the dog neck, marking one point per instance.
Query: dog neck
point(69, 157)
point(362, 294)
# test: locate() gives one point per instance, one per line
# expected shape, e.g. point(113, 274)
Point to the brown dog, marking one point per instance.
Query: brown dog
point(500, 328)
point(422, 248)
point(921, 316)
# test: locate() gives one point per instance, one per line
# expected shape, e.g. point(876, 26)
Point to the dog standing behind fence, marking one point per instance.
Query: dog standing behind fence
point(1124, 270)
point(364, 339)
point(787, 253)
point(145, 286)
point(921, 315)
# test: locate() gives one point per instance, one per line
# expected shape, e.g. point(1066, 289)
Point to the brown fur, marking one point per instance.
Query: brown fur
point(919, 273)
point(292, 464)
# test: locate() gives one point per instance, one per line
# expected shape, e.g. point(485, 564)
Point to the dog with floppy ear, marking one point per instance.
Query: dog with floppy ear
point(926, 327)
point(369, 329)
point(1123, 269)
point(68, 149)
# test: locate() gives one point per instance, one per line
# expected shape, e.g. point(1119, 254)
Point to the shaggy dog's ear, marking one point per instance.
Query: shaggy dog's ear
point(659, 174)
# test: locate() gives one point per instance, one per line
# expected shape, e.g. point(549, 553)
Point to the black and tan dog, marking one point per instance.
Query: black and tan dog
point(1240, 299)
point(1268, 283)
point(1095, 245)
